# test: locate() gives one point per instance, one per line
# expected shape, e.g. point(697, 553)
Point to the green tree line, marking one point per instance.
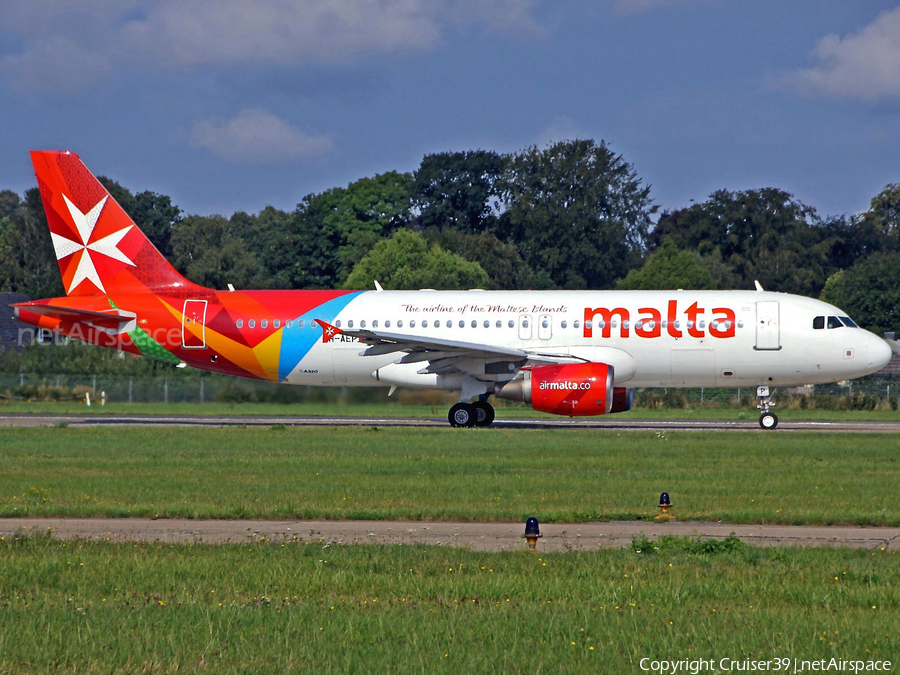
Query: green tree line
point(572, 215)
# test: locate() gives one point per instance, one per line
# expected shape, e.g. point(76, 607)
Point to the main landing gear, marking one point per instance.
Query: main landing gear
point(478, 414)
point(767, 420)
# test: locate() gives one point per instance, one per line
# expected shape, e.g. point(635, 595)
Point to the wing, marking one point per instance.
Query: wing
point(487, 363)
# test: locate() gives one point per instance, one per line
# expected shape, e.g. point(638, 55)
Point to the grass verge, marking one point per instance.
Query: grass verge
point(101, 607)
point(445, 474)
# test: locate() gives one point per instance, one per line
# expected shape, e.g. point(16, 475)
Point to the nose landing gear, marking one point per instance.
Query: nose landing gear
point(767, 420)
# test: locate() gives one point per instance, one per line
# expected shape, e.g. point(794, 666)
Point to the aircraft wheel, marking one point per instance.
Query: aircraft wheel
point(462, 415)
point(768, 420)
point(484, 413)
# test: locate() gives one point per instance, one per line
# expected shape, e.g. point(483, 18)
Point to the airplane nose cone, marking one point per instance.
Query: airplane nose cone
point(880, 353)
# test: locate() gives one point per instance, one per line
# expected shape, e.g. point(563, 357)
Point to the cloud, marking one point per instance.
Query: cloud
point(56, 64)
point(633, 6)
point(256, 137)
point(181, 34)
point(863, 65)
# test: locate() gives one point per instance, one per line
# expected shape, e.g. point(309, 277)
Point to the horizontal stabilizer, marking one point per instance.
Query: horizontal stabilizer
point(112, 321)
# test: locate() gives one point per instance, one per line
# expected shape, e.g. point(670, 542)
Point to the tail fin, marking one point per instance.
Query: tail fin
point(98, 246)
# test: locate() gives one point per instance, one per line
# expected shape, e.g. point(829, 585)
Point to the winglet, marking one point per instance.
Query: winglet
point(328, 331)
point(758, 285)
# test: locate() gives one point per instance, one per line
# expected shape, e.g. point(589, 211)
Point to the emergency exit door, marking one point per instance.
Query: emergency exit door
point(193, 324)
point(768, 336)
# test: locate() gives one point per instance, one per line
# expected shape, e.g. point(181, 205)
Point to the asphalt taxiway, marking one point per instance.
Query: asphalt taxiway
point(750, 424)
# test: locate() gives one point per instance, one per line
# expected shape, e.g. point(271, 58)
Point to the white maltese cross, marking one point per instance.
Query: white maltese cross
point(108, 246)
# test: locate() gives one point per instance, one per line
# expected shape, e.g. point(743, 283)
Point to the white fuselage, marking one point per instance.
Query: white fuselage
point(652, 338)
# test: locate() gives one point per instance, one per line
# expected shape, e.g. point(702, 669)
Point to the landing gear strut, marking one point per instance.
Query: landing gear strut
point(767, 420)
point(478, 414)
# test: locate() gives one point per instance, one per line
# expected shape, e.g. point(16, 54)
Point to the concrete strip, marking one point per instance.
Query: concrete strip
point(474, 536)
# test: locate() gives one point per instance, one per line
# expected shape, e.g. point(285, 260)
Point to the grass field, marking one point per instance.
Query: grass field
point(288, 606)
point(446, 474)
point(392, 408)
point(100, 607)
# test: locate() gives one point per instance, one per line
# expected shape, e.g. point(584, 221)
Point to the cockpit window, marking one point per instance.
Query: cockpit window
point(819, 323)
point(847, 321)
point(834, 322)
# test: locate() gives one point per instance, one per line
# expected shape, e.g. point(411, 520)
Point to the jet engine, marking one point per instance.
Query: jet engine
point(572, 389)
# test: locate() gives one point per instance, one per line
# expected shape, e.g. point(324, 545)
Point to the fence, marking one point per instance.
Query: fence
point(196, 387)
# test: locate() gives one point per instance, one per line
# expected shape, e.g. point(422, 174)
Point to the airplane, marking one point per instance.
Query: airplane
point(573, 353)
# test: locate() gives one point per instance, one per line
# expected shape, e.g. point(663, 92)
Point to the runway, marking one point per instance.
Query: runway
point(475, 536)
point(748, 425)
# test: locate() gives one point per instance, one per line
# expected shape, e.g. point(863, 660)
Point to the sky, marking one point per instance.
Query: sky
point(228, 105)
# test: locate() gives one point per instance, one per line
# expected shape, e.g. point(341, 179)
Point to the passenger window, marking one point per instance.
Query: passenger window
point(350, 323)
point(462, 324)
point(337, 323)
point(512, 324)
point(499, 324)
point(588, 324)
point(375, 324)
point(387, 324)
point(577, 324)
point(362, 324)
point(412, 324)
point(437, 324)
point(563, 324)
point(474, 323)
point(545, 323)
point(487, 324)
point(239, 323)
point(834, 322)
point(276, 323)
point(301, 324)
point(400, 324)
point(288, 323)
point(264, 323)
point(251, 323)
point(449, 323)
point(524, 323)
point(819, 323)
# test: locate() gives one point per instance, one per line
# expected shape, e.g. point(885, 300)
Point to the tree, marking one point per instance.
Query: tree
point(763, 235)
point(504, 266)
point(576, 211)
point(355, 218)
point(152, 212)
point(406, 262)
point(29, 262)
point(458, 190)
point(869, 292)
point(9, 203)
point(208, 251)
point(884, 213)
point(670, 268)
point(295, 251)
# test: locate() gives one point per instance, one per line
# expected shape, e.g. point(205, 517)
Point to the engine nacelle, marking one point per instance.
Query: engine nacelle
point(573, 389)
point(623, 399)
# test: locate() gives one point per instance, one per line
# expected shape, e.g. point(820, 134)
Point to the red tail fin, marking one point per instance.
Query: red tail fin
point(98, 246)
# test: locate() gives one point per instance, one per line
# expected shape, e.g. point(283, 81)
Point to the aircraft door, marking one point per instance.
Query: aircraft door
point(545, 326)
point(525, 327)
point(193, 324)
point(768, 336)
